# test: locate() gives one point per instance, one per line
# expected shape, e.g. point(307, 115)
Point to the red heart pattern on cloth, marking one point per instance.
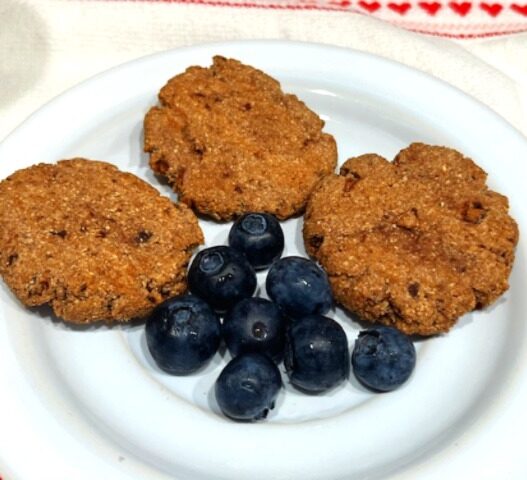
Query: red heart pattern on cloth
point(460, 8)
point(400, 8)
point(461, 19)
point(493, 9)
point(521, 9)
point(430, 7)
point(370, 6)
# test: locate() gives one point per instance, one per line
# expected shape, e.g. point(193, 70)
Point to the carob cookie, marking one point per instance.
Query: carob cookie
point(93, 242)
point(414, 243)
point(230, 142)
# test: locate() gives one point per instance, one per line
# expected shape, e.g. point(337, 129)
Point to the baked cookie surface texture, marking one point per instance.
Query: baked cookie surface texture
point(230, 142)
point(93, 242)
point(414, 243)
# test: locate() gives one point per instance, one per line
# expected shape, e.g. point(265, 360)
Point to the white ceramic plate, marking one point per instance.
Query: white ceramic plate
point(89, 403)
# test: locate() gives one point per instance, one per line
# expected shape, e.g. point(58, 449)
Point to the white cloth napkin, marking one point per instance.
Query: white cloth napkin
point(49, 46)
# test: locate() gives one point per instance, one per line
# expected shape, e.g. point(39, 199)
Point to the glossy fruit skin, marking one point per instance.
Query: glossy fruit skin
point(248, 386)
point(316, 354)
point(260, 237)
point(221, 276)
point(383, 358)
point(182, 334)
point(255, 325)
point(299, 286)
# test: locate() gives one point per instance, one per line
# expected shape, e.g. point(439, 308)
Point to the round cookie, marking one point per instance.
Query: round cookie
point(414, 243)
point(93, 242)
point(230, 142)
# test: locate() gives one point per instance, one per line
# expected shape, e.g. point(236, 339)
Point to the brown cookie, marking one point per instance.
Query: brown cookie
point(414, 243)
point(230, 142)
point(93, 242)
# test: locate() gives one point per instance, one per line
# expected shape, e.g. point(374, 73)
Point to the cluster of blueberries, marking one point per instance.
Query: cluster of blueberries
point(184, 333)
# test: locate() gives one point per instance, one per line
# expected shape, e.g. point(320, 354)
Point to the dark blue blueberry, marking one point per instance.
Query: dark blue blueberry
point(260, 237)
point(316, 354)
point(248, 386)
point(182, 334)
point(222, 276)
point(383, 358)
point(255, 325)
point(299, 287)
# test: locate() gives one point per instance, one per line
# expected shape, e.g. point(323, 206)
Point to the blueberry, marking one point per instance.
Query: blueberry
point(222, 276)
point(316, 354)
point(248, 386)
point(383, 358)
point(299, 286)
point(255, 325)
point(260, 237)
point(182, 334)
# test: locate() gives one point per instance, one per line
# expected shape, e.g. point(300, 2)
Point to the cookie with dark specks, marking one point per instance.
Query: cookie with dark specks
point(414, 243)
point(93, 242)
point(230, 142)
